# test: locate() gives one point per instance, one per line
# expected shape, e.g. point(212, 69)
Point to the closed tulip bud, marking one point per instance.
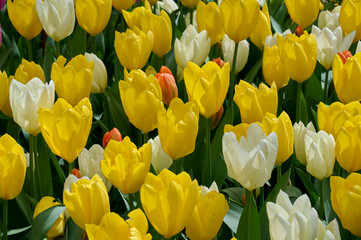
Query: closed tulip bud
point(76, 173)
point(66, 129)
point(207, 86)
point(57, 18)
point(329, 19)
point(114, 134)
point(219, 61)
point(347, 78)
point(178, 128)
point(263, 28)
point(168, 5)
point(27, 71)
point(12, 167)
point(133, 18)
point(73, 81)
point(240, 18)
point(59, 225)
point(169, 200)
point(207, 216)
point(299, 133)
point(188, 19)
point(331, 231)
point(349, 18)
point(273, 68)
point(299, 31)
point(23, 16)
point(141, 96)
point(228, 46)
point(167, 84)
point(87, 202)
point(330, 43)
point(190, 3)
point(209, 18)
point(100, 75)
point(89, 163)
point(287, 221)
point(345, 196)
point(344, 55)
point(27, 99)
point(253, 103)
point(282, 126)
point(192, 47)
point(93, 15)
point(125, 166)
point(303, 12)
point(299, 55)
point(216, 118)
point(160, 160)
point(122, 5)
point(240, 156)
point(4, 96)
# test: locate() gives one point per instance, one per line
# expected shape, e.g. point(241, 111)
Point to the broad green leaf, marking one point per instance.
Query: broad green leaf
point(233, 216)
point(249, 225)
point(25, 207)
point(254, 71)
point(73, 232)
point(312, 194)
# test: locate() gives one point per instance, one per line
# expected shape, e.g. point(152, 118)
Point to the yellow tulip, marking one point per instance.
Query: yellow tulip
point(298, 55)
point(141, 96)
point(303, 12)
point(169, 200)
point(73, 82)
point(239, 130)
point(350, 18)
point(209, 18)
point(331, 119)
point(122, 4)
point(87, 202)
point(178, 128)
point(190, 3)
point(125, 166)
point(23, 16)
point(4, 94)
point(133, 18)
point(59, 226)
point(240, 18)
point(282, 126)
point(263, 28)
point(133, 48)
point(27, 71)
point(254, 103)
point(66, 129)
point(151, 2)
point(207, 217)
point(93, 15)
point(345, 199)
point(207, 86)
point(273, 68)
point(12, 167)
point(347, 78)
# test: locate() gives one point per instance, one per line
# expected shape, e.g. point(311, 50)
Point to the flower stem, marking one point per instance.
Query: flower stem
point(145, 138)
point(94, 46)
point(70, 168)
point(33, 189)
point(30, 50)
point(322, 206)
point(5, 219)
point(58, 48)
point(209, 152)
point(131, 202)
point(35, 152)
point(298, 104)
point(233, 75)
point(279, 172)
point(57, 166)
point(325, 88)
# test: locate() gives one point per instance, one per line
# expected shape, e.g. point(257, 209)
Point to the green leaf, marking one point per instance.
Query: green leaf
point(254, 71)
point(233, 215)
point(73, 231)
point(249, 225)
point(78, 41)
point(235, 193)
point(25, 207)
point(309, 186)
point(48, 61)
point(43, 164)
point(17, 231)
point(275, 25)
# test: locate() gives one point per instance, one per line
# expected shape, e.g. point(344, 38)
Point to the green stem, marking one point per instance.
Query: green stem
point(35, 152)
point(70, 168)
point(140, 138)
point(69, 46)
point(57, 166)
point(58, 48)
point(131, 202)
point(261, 196)
point(30, 50)
point(209, 152)
point(325, 88)
point(322, 206)
point(298, 104)
point(145, 138)
point(233, 75)
point(34, 192)
point(94, 46)
point(279, 172)
point(5, 219)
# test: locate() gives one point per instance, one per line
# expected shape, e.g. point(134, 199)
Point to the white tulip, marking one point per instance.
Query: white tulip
point(292, 222)
point(329, 43)
point(187, 19)
point(206, 190)
point(320, 153)
point(26, 100)
point(250, 161)
point(329, 19)
point(100, 75)
point(57, 17)
point(358, 48)
point(89, 163)
point(160, 160)
point(168, 5)
point(228, 46)
point(271, 40)
point(330, 232)
point(299, 133)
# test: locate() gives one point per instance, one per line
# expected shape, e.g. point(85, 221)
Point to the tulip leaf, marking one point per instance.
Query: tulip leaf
point(73, 231)
point(44, 166)
point(78, 41)
point(249, 225)
point(254, 71)
point(276, 26)
point(48, 61)
point(233, 215)
point(309, 186)
point(235, 193)
point(18, 231)
point(44, 221)
point(25, 207)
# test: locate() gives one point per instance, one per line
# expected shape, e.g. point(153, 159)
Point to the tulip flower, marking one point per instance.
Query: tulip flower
point(240, 156)
point(4, 96)
point(263, 28)
point(330, 43)
point(160, 160)
point(151, 71)
point(168, 5)
point(192, 47)
point(114, 134)
point(207, 86)
point(188, 19)
point(59, 226)
point(27, 99)
point(331, 231)
point(12, 167)
point(349, 18)
point(303, 12)
point(23, 16)
point(100, 76)
point(240, 18)
point(122, 4)
point(125, 166)
point(329, 19)
point(133, 18)
point(167, 84)
point(57, 18)
point(345, 196)
point(151, 2)
point(216, 118)
point(113, 226)
point(169, 200)
point(287, 221)
point(228, 46)
point(178, 128)
point(213, 187)
point(253, 103)
point(89, 163)
point(66, 129)
point(239, 130)
point(298, 55)
point(209, 19)
point(87, 202)
point(190, 3)
point(299, 133)
point(73, 81)
point(27, 71)
point(141, 96)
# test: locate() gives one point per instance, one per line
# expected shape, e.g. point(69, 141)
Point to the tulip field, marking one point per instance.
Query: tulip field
point(180, 119)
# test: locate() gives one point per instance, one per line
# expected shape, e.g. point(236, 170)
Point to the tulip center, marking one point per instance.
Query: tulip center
point(344, 55)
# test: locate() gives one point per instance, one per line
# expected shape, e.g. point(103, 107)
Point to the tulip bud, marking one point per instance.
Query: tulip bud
point(304, 12)
point(299, 133)
point(206, 190)
point(216, 118)
point(331, 231)
point(349, 18)
point(160, 160)
point(122, 4)
point(228, 46)
point(190, 3)
point(76, 173)
point(219, 61)
point(4, 96)
point(329, 19)
point(168, 5)
point(299, 31)
point(263, 28)
point(167, 84)
point(114, 134)
point(344, 55)
point(27, 71)
point(100, 75)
